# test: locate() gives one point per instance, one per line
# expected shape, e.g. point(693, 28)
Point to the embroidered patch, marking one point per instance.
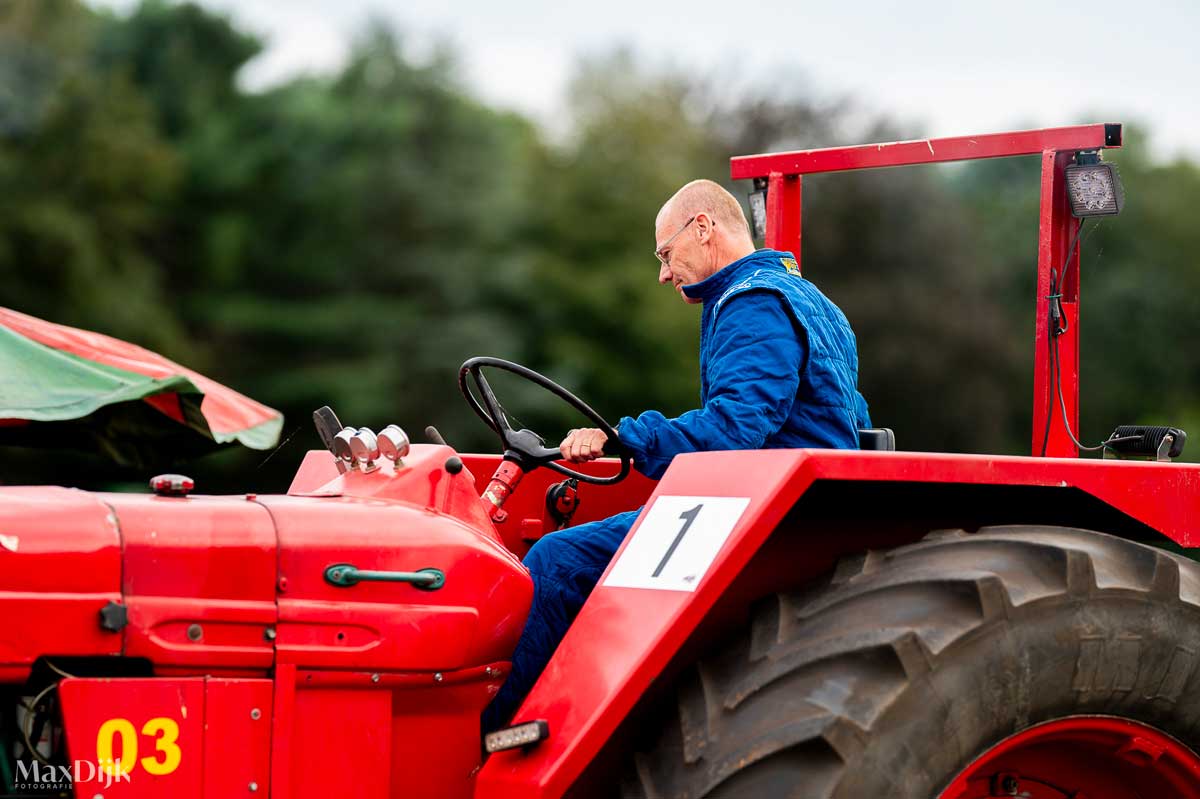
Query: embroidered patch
point(790, 265)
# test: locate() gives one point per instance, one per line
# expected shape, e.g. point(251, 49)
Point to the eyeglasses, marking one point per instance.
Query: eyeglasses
point(665, 259)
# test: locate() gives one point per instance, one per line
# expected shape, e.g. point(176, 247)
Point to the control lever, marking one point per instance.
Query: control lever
point(328, 427)
point(433, 435)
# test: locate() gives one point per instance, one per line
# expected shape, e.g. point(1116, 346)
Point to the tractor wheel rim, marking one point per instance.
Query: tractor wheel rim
point(1100, 757)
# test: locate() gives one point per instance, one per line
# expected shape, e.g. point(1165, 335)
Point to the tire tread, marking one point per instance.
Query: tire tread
point(798, 698)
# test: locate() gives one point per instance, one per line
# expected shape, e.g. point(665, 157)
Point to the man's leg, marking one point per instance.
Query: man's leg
point(565, 566)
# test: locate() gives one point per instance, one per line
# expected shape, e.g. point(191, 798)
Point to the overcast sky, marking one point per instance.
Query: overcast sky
point(944, 67)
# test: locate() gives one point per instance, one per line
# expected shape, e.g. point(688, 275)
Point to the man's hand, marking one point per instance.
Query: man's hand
point(581, 446)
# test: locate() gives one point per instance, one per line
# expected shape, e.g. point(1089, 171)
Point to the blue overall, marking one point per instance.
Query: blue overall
point(778, 369)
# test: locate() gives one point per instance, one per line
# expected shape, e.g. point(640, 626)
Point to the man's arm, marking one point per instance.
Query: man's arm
point(753, 372)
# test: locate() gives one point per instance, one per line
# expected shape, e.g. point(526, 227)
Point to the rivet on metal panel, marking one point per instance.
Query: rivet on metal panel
point(283, 585)
point(253, 787)
point(374, 678)
point(269, 634)
point(195, 632)
point(256, 714)
point(437, 676)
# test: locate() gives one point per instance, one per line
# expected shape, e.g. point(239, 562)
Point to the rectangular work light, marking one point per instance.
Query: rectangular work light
point(1094, 187)
point(519, 737)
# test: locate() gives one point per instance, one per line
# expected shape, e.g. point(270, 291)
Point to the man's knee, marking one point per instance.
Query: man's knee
point(547, 556)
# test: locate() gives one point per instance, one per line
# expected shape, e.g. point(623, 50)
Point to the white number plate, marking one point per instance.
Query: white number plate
point(676, 542)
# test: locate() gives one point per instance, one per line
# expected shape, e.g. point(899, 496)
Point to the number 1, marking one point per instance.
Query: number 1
point(688, 516)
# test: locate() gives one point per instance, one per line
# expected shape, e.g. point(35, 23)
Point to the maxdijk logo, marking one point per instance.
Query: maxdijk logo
point(102, 773)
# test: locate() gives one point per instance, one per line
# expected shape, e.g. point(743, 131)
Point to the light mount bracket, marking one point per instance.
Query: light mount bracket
point(758, 208)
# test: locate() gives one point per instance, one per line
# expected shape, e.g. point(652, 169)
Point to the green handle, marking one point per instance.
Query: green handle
point(346, 575)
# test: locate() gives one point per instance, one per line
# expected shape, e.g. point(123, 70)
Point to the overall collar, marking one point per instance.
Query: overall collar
point(712, 287)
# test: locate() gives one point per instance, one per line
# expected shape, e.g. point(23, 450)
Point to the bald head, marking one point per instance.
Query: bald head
point(698, 232)
point(706, 197)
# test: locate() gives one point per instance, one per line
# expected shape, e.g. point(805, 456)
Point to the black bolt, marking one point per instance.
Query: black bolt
point(113, 617)
point(195, 632)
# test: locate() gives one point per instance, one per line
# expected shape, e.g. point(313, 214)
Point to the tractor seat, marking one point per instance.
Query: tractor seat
point(878, 438)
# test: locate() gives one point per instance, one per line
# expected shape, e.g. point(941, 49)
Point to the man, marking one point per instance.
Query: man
point(778, 368)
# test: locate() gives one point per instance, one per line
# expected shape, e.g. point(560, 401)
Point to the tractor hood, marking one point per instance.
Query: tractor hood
point(236, 585)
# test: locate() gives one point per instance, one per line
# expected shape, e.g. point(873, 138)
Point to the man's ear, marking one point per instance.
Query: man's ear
point(704, 227)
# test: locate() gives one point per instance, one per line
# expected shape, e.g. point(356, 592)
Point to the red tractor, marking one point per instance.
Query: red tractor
point(784, 623)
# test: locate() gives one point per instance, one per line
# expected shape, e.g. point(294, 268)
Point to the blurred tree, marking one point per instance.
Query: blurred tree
point(184, 58)
point(600, 323)
point(1141, 299)
point(84, 174)
point(347, 236)
point(894, 249)
point(351, 238)
point(1140, 288)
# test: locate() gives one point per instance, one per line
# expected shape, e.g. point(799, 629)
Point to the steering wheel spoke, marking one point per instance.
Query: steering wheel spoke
point(526, 447)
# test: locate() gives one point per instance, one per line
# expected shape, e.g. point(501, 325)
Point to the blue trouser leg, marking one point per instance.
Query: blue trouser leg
point(565, 567)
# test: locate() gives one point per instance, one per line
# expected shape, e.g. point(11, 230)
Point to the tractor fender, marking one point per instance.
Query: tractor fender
point(723, 528)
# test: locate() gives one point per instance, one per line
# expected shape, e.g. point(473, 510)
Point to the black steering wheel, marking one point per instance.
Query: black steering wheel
point(526, 447)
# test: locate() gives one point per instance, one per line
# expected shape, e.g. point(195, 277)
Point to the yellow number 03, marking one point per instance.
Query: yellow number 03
point(165, 732)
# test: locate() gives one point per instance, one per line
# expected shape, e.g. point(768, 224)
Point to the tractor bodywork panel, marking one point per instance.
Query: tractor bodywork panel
point(60, 563)
point(198, 582)
point(264, 670)
point(626, 636)
point(188, 738)
point(393, 676)
point(378, 735)
point(527, 518)
point(377, 687)
point(473, 619)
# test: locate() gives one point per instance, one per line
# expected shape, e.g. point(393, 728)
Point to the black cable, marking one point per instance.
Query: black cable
point(1055, 295)
point(1062, 404)
point(1060, 326)
point(1050, 342)
point(1053, 298)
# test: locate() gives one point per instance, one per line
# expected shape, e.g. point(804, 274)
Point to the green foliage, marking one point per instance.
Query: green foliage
point(1142, 298)
point(349, 239)
point(84, 175)
point(183, 58)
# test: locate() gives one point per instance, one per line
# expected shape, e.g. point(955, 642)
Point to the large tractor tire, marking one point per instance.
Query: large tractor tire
point(1017, 661)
